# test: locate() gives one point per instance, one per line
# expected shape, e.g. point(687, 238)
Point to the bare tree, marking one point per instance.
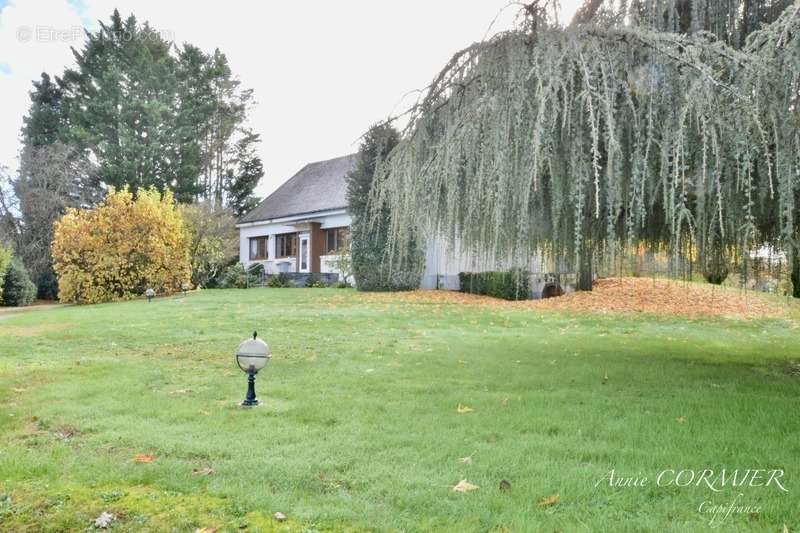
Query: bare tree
point(51, 179)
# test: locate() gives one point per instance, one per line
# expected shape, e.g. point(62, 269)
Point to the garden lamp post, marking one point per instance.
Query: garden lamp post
point(252, 355)
point(149, 293)
point(184, 288)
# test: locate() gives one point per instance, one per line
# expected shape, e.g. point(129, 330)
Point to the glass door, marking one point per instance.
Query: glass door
point(304, 253)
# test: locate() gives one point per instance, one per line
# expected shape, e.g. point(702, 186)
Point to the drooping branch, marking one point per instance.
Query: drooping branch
point(541, 141)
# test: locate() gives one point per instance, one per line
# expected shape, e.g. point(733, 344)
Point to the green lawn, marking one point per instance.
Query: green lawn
point(359, 428)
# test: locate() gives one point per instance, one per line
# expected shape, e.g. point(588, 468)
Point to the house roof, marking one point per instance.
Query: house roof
point(316, 187)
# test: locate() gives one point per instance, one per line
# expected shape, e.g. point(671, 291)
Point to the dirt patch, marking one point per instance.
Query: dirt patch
point(793, 369)
point(632, 295)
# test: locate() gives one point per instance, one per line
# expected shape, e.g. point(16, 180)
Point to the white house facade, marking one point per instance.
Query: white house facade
point(303, 226)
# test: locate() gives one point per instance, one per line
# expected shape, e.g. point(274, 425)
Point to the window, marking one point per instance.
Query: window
point(336, 240)
point(258, 247)
point(285, 244)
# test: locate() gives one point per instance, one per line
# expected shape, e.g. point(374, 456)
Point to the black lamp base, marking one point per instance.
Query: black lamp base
point(250, 400)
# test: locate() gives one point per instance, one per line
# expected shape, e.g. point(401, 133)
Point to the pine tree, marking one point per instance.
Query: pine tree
point(243, 176)
point(122, 105)
point(44, 122)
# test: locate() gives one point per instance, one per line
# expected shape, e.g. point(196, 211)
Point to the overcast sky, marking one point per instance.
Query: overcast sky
point(322, 71)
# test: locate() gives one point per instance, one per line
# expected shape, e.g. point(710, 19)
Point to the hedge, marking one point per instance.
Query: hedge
point(511, 285)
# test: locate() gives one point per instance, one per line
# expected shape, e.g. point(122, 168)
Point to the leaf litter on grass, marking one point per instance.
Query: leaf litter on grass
point(626, 295)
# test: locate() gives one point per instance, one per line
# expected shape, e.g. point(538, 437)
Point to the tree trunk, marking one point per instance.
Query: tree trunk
point(585, 271)
point(796, 273)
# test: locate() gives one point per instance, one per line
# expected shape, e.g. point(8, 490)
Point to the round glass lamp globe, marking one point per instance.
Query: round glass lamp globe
point(252, 355)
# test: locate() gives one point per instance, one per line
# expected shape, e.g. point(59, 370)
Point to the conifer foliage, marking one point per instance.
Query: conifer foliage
point(600, 138)
point(370, 263)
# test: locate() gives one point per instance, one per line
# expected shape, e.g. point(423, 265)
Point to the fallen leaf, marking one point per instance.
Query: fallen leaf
point(505, 485)
point(205, 471)
point(465, 460)
point(104, 520)
point(605, 378)
point(504, 402)
point(143, 458)
point(65, 432)
point(550, 500)
point(464, 486)
point(680, 420)
point(461, 409)
point(181, 391)
point(279, 516)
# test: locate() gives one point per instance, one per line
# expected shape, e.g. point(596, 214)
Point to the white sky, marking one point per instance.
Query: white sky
point(322, 71)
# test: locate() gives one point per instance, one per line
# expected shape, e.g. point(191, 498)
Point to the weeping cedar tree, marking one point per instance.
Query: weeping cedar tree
point(604, 138)
point(368, 241)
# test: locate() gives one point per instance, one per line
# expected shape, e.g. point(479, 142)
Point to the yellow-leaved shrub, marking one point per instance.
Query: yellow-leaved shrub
point(120, 248)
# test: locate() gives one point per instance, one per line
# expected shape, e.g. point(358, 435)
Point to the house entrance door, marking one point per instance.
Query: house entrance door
point(303, 252)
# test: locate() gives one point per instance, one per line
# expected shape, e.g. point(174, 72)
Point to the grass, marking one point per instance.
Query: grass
point(359, 428)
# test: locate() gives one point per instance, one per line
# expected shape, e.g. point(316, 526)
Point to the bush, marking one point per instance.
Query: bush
point(278, 281)
point(372, 273)
point(342, 285)
point(120, 248)
point(511, 285)
point(18, 289)
point(213, 242)
point(313, 282)
point(237, 277)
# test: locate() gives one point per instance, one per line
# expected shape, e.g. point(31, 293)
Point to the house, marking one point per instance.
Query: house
point(302, 227)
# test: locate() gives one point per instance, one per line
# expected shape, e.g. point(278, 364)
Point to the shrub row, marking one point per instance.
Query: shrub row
point(511, 285)
point(313, 281)
point(238, 277)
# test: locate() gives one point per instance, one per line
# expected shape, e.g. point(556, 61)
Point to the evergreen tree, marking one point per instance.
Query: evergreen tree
point(18, 289)
point(586, 143)
point(153, 116)
point(148, 115)
point(122, 105)
point(44, 122)
point(730, 21)
point(369, 246)
point(244, 176)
